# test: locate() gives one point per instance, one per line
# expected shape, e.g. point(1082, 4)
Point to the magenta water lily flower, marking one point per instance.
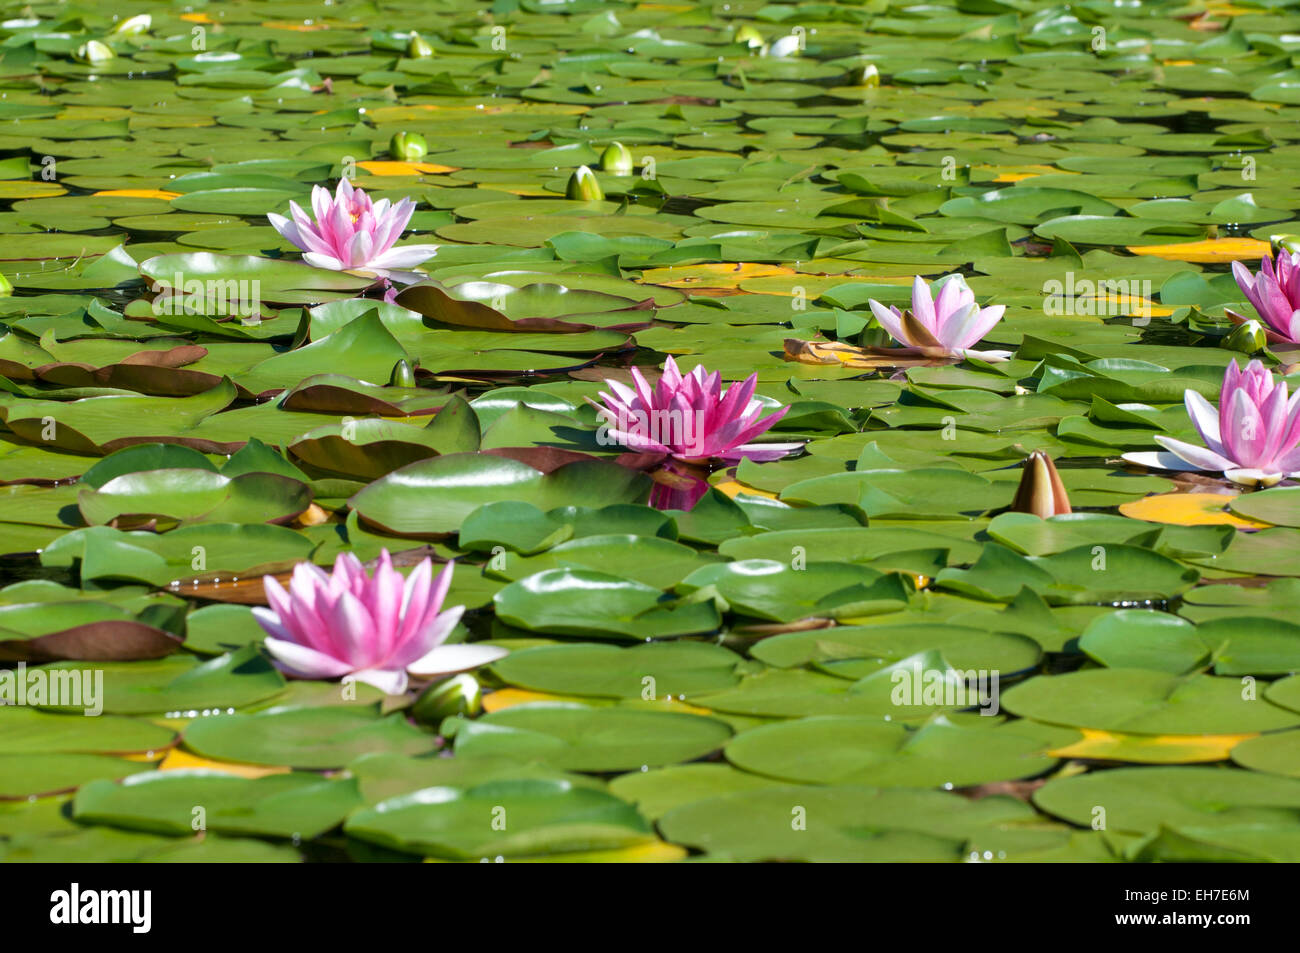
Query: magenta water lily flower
point(377, 628)
point(946, 325)
point(351, 233)
point(694, 421)
point(1275, 293)
point(1251, 439)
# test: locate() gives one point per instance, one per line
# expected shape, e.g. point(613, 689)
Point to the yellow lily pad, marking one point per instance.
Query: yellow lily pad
point(734, 488)
point(654, 852)
point(1150, 749)
point(504, 698)
point(387, 167)
point(178, 759)
point(141, 193)
point(1189, 509)
point(27, 189)
point(722, 275)
point(1209, 251)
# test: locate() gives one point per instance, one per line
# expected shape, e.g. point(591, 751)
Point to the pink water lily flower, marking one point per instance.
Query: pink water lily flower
point(352, 234)
point(692, 419)
point(1252, 438)
point(1275, 293)
point(376, 628)
point(948, 325)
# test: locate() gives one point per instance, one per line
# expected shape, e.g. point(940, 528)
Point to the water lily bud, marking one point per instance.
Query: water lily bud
point(458, 695)
point(1041, 491)
point(616, 159)
point(785, 47)
point(94, 53)
point(748, 35)
point(6, 289)
point(403, 374)
point(418, 48)
point(1248, 338)
point(408, 147)
point(1284, 243)
point(132, 26)
point(867, 75)
point(583, 186)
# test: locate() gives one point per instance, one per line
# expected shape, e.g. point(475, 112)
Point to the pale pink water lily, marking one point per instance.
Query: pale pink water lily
point(350, 233)
point(946, 325)
point(1252, 438)
point(1275, 293)
point(693, 420)
point(376, 628)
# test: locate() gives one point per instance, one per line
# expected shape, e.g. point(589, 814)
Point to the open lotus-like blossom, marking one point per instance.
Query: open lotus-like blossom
point(376, 628)
point(1252, 438)
point(352, 233)
point(1275, 293)
point(946, 325)
point(691, 419)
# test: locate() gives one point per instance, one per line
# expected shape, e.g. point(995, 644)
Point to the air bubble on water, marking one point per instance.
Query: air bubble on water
point(988, 855)
point(645, 767)
point(947, 785)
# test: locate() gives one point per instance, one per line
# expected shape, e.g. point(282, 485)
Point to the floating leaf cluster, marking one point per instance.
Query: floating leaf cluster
point(884, 630)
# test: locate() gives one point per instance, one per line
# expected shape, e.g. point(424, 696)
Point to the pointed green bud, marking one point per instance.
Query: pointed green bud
point(94, 53)
point(786, 47)
point(867, 75)
point(133, 26)
point(616, 159)
point(6, 288)
point(1248, 338)
point(403, 374)
point(418, 48)
point(458, 695)
point(748, 35)
point(583, 186)
point(1284, 243)
point(408, 147)
point(1041, 491)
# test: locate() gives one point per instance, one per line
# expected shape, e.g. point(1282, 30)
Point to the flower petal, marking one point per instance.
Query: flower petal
point(450, 659)
point(1199, 457)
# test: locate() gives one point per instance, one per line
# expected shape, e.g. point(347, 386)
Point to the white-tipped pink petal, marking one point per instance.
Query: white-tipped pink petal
point(450, 659)
point(1160, 460)
point(404, 256)
point(323, 261)
point(304, 661)
point(1199, 457)
point(1253, 476)
point(923, 304)
point(388, 681)
point(1205, 418)
point(891, 321)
